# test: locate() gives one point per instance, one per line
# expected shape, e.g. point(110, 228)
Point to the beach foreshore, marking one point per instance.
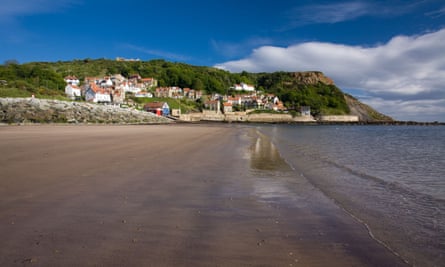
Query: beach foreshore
point(166, 195)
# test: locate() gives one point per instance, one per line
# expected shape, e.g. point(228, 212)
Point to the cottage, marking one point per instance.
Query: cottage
point(234, 100)
point(212, 105)
point(97, 95)
point(106, 82)
point(117, 96)
point(244, 87)
point(72, 80)
point(159, 108)
point(149, 82)
point(227, 107)
point(72, 91)
point(144, 94)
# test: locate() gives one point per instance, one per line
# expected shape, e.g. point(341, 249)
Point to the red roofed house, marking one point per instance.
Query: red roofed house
point(97, 95)
point(227, 107)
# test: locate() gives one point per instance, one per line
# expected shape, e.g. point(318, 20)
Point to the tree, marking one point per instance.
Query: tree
point(198, 84)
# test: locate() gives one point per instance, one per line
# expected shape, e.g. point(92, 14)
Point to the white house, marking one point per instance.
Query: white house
point(130, 87)
point(144, 94)
point(72, 80)
point(97, 95)
point(244, 87)
point(107, 82)
point(72, 91)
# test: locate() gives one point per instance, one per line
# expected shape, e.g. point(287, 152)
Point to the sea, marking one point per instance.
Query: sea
point(391, 179)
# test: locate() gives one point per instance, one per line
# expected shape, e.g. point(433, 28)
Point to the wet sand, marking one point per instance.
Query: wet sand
point(173, 195)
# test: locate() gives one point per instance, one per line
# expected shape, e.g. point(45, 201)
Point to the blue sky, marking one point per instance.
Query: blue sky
point(389, 54)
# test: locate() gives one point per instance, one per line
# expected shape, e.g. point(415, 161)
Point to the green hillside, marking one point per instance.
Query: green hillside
point(45, 79)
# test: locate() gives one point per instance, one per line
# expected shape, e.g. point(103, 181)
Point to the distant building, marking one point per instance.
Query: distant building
point(159, 108)
point(127, 59)
point(305, 111)
point(227, 107)
point(144, 94)
point(72, 91)
point(149, 82)
point(72, 80)
point(244, 87)
point(212, 105)
point(96, 94)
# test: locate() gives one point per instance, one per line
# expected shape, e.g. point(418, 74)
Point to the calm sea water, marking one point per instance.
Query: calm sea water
point(390, 178)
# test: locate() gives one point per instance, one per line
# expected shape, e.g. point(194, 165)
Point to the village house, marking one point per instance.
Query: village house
point(161, 92)
point(106, 82)
point(191, 93)
point(144, 94)
point(73, 91)
point(175, 92)
point(72, 80)
point(96, 94)
point(158, 108)
point(227, 107)
point(131, 87)
point(117, 96)
point(243, 87)
point(234, 100)
point(213, 105)
point(149, 82)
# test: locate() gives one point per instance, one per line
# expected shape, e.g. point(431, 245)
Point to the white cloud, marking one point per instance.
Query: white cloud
point(154, 52)
point(407, 68)
point(346, 11)
point(328, 13)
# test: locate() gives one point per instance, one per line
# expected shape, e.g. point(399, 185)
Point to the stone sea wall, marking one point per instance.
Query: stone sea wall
point(243, 117)
point(33, 110)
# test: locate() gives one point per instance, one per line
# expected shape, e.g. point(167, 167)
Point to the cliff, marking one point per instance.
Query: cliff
point(365, 112)
point(311, 77)
point(314, 89)
point(23, 110)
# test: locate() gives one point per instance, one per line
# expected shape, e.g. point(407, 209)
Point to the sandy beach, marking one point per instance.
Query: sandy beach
point(166, 195)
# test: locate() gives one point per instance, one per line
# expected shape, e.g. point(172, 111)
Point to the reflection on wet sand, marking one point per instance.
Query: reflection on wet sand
point(268, 167)
point(265, 156)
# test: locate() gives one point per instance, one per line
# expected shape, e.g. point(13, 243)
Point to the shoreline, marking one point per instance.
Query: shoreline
point(166, 195)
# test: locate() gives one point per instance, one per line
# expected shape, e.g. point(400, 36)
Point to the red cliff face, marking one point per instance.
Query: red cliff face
point(312, 77)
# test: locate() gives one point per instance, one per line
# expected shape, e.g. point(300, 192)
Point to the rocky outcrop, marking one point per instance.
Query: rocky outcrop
point(33, 110)
point(312, 77)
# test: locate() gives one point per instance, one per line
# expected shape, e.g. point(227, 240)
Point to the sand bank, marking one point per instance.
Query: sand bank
point(166, 195)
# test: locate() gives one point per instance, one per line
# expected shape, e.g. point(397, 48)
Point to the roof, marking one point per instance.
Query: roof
point(154, 105)
point(97, 89)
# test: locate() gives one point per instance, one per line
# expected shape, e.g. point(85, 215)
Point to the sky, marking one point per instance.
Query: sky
point(390, 54)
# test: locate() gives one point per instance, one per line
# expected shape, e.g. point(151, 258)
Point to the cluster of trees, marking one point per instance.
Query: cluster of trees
point(46, 78)
point(31, 79)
